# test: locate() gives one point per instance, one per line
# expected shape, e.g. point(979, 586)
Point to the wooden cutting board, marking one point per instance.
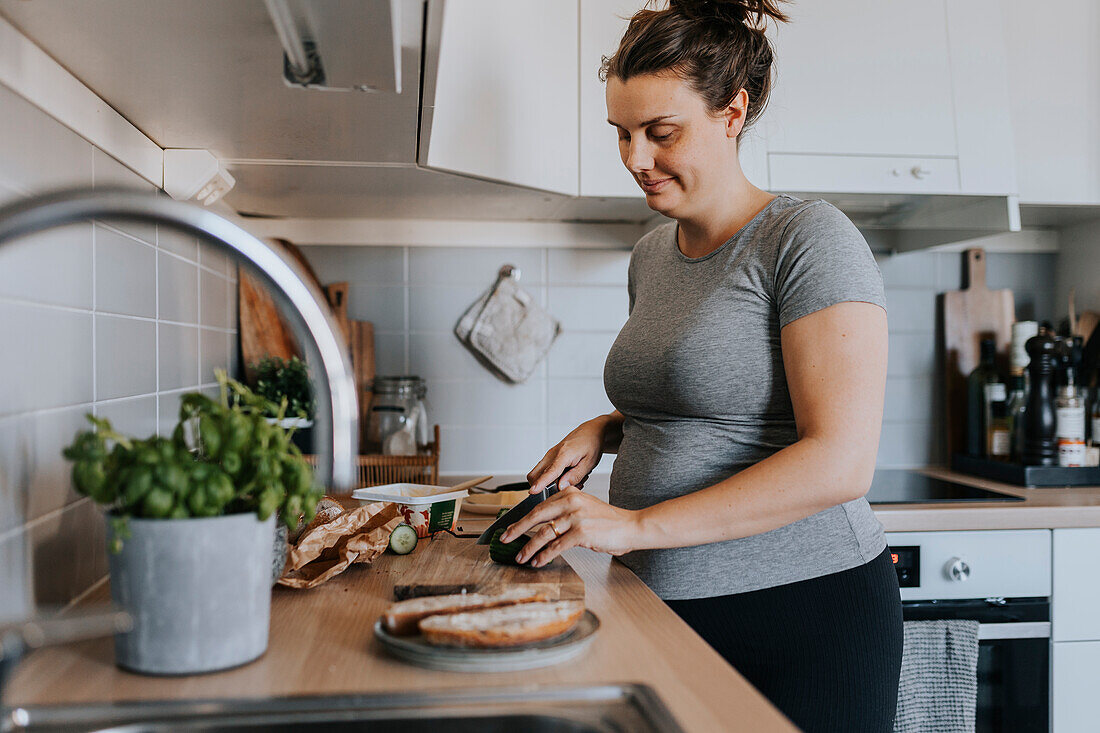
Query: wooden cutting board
point(361, 335)
point(263, 330)
point(449, 564)
point(969, 315)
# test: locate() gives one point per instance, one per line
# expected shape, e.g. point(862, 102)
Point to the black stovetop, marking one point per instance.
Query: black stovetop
point(895, 486)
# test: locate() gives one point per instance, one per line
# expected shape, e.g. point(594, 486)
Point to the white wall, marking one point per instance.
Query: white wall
point(114, 319)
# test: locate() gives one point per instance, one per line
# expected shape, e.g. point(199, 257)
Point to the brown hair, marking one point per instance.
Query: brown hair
point(717, 46)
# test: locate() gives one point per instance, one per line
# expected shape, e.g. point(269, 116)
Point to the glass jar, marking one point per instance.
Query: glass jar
point(395, 405)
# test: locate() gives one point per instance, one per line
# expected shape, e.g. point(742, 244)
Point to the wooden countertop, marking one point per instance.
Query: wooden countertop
point(1045, 508)
point(322, 643)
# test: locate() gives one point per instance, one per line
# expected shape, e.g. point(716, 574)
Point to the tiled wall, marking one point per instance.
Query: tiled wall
point(912, 423)
point(115, 319)
point(414, 295)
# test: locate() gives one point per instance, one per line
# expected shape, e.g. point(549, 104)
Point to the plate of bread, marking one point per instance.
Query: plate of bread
point(514, 629)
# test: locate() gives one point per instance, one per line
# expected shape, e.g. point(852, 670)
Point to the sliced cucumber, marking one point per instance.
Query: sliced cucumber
point(505, 552)
point(403, 539)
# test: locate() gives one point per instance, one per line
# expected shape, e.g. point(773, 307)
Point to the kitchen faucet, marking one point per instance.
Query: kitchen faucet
point(310, 319)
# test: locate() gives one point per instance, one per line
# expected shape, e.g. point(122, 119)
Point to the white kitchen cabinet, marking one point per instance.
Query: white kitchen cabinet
point(1054, 64)
point(1076, 592)
point(1075, 677)
point(915, 93)
point(602, 171)
point(505, 93)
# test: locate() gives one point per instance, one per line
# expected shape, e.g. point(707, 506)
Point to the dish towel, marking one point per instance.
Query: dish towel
point(938, 690)
point(507, 330)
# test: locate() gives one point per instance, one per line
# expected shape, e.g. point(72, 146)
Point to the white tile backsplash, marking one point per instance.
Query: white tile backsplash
point(213, 258)
point(178, 243)
point(580, 354)
point(911, 310)
point(378, 265)
point(594, 308)
point(177, 356)
point(442, 356)
point(587, 266)
point(29, 449)
point(908, 270)
point(50, 267)
point(487, 403)
point(383, 305)
point(126, 357)
point(215, 353)
point(125, 274)
point(49, 360)
point(911, 354)
point(132, 416)
point(389, 354)
point(177, 289)
point(573, 401)
point(479, 266)
point(213, 297)
point(908, 399)
point(491, 449)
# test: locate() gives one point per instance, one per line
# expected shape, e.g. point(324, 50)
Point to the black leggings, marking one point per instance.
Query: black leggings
point(825, 651)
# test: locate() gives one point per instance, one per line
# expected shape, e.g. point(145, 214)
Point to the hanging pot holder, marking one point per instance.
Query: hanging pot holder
point(507, 330)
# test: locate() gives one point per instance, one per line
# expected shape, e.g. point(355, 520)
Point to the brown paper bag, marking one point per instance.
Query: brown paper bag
point(356, 536)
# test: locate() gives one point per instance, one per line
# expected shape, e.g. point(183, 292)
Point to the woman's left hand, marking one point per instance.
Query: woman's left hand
point(575, 519)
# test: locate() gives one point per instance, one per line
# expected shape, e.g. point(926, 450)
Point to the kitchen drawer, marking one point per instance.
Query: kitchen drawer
point(862, 173)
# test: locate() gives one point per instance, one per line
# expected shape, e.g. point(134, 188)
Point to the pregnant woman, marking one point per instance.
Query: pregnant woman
point(749, 383)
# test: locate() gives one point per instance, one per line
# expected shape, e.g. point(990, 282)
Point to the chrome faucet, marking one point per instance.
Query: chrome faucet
point(310, 318)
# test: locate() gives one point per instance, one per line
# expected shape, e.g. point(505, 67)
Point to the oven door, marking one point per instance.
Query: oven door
point(1013, 658)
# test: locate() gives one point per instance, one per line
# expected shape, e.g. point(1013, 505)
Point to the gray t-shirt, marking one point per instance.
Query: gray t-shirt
point(697, 371)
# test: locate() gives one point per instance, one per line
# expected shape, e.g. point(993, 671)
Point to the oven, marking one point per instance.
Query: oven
point(1002, 579)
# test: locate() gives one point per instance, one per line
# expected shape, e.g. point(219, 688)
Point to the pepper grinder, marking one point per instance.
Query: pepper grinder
point(1040, 444)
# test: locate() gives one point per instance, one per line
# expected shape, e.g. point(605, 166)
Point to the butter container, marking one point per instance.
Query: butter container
point(427, 508)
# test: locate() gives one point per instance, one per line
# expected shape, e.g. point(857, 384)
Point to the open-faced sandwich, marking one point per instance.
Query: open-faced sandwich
point(510, 617)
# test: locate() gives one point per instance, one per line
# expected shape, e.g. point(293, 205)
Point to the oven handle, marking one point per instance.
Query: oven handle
point(1018, 630)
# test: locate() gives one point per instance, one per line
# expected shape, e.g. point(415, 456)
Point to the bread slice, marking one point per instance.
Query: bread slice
point(402, 617)
point(502, 627)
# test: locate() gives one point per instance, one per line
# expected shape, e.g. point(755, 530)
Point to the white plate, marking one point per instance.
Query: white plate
point(562, 648)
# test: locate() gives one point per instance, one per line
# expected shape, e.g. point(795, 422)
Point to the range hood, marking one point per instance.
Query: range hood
point(339, 45)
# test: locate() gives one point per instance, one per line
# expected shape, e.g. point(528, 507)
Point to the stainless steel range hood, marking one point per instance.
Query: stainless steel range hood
point(339, 45)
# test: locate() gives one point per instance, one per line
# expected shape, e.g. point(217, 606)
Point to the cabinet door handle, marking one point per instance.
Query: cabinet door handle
point(919, 173)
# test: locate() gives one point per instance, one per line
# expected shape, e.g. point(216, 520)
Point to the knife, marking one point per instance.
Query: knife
point(517, 512)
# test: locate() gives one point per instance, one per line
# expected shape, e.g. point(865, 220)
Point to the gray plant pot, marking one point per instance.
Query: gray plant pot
point(199, 591)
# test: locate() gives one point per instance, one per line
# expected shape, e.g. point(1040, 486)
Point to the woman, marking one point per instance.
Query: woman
point(748, 381)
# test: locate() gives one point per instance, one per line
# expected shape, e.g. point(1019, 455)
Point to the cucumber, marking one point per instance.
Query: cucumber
point(505, 552)
point(403, 539)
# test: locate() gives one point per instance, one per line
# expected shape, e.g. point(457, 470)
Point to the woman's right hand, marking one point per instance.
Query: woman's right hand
point(572, 459)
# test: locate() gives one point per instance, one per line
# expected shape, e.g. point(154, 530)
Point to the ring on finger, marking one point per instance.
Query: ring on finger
point(554, 529)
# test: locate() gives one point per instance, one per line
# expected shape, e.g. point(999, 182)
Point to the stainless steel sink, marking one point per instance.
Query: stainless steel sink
point(603, 709)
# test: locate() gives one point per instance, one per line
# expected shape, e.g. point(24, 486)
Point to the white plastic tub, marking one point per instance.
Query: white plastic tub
point(427, 508)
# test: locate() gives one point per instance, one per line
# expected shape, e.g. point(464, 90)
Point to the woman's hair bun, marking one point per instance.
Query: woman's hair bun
point(753, 13)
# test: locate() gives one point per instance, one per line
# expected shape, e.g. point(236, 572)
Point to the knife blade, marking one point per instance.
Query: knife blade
point(517, 512)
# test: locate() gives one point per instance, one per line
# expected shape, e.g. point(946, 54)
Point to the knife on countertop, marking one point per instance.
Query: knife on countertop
point(517, 512)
